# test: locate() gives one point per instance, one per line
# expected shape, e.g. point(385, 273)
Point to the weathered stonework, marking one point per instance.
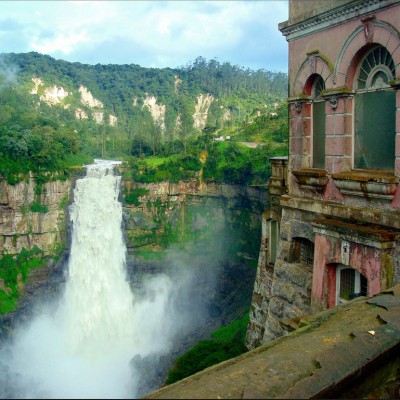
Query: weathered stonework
point(338, 222)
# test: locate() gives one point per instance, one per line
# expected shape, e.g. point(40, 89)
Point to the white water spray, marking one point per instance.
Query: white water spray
point(84, 349)
point(98, 302)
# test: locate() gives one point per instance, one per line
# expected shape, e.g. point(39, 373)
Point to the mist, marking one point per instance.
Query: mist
point(83, 345)
point(8, 73)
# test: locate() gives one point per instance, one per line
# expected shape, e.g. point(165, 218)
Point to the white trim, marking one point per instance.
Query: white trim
point(357, 282)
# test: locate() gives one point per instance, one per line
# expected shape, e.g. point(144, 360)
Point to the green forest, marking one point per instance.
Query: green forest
point(245, 106)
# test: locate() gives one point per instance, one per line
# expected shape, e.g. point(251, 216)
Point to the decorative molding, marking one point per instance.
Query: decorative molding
point(333, 17)
point(368, 28)
point(333, 101)
point(298, 106)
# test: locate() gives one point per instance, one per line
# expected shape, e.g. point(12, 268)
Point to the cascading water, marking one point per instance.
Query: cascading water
point(85, 348)
point(98, 302)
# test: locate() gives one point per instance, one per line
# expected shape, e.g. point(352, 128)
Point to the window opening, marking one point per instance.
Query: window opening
point(318, 124)
point(303, 251)
point(375, 112)
point(349, 284)
point(307, 252)
point(377, 68)
point(273, 239)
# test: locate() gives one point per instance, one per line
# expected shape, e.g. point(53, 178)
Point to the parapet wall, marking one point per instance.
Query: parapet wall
point(350, 351)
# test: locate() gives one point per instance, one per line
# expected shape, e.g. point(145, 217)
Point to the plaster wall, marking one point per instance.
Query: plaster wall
point(330, 42)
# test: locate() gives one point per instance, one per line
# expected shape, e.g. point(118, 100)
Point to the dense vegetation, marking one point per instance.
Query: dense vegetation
point(14, 271)
point(37, 136)
point(48, 138)
point(226, 342)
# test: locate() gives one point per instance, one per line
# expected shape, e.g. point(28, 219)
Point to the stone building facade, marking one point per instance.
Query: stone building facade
point(339, 227)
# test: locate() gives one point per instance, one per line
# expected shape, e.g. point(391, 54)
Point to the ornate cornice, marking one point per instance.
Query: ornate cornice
point(333, 17)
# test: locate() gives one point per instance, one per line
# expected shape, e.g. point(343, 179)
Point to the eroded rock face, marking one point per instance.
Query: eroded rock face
point(201, 111)
point(80, 114)
point(37, 82)
point(157, 111)
point(20, 227)
point(113, 120)
point(52, 95)
point(87, 98)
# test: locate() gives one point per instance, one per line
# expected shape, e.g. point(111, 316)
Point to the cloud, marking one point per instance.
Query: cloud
point(150, 33)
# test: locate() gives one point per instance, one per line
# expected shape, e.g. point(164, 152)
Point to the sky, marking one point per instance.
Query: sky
point(150, 33)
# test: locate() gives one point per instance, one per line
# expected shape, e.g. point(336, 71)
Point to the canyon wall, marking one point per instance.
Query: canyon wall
point(33, 213)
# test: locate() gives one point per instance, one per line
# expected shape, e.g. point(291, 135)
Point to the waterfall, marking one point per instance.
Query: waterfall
point(84, 349)
point(98, 302)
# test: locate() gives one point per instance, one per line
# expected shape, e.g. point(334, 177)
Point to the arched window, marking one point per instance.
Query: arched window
point(318, 124)
point(375, 111)
point(349, 284)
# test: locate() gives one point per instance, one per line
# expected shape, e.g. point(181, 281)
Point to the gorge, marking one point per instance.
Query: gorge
point(173, 305)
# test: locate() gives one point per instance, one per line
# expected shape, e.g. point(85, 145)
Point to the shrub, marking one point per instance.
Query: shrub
point(227, 342)
point(12, 266)
point(37, 207)
point(133, 196)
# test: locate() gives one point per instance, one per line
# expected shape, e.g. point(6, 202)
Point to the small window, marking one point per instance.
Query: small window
point(318, 124)
point(349, 284)
point(273, 239)
point(303, 251)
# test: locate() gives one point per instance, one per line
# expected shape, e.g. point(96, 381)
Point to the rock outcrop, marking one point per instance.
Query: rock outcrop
point(204, 102)
point(157, 111)
point(20, 226)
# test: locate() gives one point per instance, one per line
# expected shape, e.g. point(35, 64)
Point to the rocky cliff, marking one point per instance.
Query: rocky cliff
point(187, 210)
point(33, 213)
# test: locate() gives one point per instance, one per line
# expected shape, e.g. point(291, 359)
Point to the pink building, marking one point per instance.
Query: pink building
point(338, 226)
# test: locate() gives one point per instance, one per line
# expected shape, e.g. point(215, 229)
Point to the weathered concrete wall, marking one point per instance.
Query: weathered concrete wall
point(350, 351)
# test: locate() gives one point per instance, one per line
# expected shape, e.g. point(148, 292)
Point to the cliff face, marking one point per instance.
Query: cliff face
point(34, 214)
point(21, 225)
point(188, 210)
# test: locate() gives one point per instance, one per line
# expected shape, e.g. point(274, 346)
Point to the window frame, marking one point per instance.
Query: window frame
point(369, 88)
point(357, 283)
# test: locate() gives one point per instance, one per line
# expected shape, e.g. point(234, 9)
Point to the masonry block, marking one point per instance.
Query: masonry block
point(398, 145)
point(398, 121)
point(330, 125)
point(307, 126)
point(335, 145)
point(348, 124)
point(296, 145)
point(397, 167)
point(296, 127)
point(307, 110)
point(398, 99)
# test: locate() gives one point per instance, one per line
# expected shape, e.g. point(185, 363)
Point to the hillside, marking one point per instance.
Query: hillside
point(53, 110)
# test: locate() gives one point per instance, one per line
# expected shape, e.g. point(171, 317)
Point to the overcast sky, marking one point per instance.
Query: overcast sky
point(148, 33)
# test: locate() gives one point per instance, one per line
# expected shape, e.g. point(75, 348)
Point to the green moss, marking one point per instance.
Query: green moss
point(37, 207)
point(63, 202)
point(133, 196)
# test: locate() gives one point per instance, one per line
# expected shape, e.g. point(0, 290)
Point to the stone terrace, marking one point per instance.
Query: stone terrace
point(351, 351)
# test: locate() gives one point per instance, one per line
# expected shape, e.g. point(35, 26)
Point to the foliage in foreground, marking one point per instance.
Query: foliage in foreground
point(227, 342)
point(14, 271)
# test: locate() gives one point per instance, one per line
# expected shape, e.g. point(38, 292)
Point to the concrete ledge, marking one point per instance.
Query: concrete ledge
point(333, 354)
